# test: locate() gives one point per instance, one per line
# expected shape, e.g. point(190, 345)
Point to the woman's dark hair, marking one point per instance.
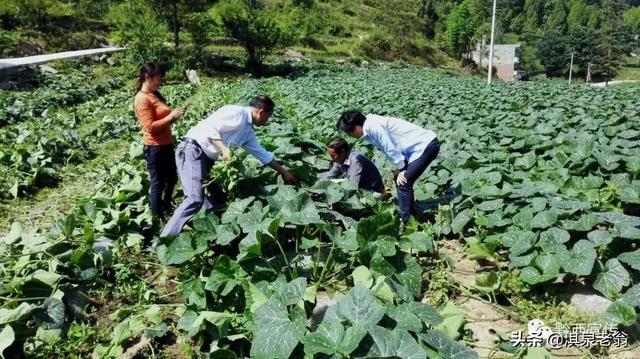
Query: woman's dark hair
point(151, 69)
point(339, 145)
point(262, 102)
point(350, 119)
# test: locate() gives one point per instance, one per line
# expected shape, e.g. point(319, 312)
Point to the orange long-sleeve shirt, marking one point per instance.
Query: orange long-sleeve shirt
point(150, 111)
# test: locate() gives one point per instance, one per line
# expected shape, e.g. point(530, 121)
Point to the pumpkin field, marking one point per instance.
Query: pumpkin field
point(534, 195)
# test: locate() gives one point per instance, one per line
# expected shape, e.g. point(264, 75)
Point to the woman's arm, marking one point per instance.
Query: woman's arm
point(146, 114)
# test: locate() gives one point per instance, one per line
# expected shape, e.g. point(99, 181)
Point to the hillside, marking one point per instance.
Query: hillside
point(436, 33)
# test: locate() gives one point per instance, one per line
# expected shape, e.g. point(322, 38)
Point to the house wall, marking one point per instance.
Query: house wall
point(505, 71)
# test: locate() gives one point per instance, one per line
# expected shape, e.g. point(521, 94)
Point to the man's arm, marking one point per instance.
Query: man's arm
point(266, 158)
point(334, 173)
point(286, 175)
point(225, 153)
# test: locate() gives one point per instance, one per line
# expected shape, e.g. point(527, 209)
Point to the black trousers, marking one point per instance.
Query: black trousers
point(161, 164)
point(415, 169)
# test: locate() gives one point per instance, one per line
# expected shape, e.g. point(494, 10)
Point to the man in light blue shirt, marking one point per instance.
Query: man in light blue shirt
point(209, 141)
point(409, 147)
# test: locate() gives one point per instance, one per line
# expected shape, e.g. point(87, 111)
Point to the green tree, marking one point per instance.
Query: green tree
point(35, 13)
point(584, 42)
point(615, 38)
point(632, 19)
point(581, 13)
point(461, 27)
point(174, 12)
point(259, 29)
point(553, 53)
point(137, 26)
point(304, 3)
point(534, 15)
point(557, 19)
point(427, 12)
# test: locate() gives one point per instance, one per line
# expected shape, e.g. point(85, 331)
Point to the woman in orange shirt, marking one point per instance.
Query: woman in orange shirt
point(156, 118)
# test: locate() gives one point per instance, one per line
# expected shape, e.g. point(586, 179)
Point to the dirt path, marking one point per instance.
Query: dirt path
point(483, 318)
point(611, 83)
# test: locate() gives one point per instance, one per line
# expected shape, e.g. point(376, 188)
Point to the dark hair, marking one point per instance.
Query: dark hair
point(262, 102)
point(150, 69)
point(350, 119)
point(339, 144)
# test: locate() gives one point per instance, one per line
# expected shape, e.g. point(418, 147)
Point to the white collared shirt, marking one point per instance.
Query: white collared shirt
point(400, 140)
point(232, 124)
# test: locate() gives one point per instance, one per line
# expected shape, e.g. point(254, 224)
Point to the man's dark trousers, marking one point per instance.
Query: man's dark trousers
point(413, 171)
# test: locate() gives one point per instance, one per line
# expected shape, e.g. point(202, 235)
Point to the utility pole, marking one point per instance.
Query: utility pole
point(493, 33)
point(481, 55)
point(571, 68)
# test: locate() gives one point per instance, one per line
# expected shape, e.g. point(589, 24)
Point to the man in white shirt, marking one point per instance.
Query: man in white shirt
point(209, 141)
point(409, 147)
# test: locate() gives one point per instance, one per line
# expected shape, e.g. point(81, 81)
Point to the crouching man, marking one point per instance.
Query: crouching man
point(354, 166)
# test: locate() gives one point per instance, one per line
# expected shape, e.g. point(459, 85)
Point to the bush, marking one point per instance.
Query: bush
point(138, 28)
point(259, 30)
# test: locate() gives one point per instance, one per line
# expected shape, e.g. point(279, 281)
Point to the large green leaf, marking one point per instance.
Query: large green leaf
point(193, 293)
point(18, 313)
point(544, 219)
point(294, 207)
point(580, 259)
point(7, 337)
point(332, 339)
point(632, 296)
point(619, 313)
point(631, 258)
point(51, 314)
point(292, 292)
point(547, 268)
point(396, 343)
point(360, 307)
point(552, 238)
point(446, 347)
point(276, 335)
point(405, 318)
point(627, 231)
point(182, 248)
point(235, 209)
point(600, 237)
point(426, 313)
point(461, 220)
point(612, 279)
point(223, 278)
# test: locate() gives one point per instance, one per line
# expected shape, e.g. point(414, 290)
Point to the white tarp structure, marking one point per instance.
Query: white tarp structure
point(40, 59)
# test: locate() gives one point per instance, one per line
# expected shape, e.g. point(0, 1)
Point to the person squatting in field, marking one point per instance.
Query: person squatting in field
point(156, 118)
point(209, 141)
point(354, 166)
point(409, 147)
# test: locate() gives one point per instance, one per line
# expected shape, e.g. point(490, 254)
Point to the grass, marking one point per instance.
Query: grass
point(47, 204)
point(630, 69)
point(627, 72)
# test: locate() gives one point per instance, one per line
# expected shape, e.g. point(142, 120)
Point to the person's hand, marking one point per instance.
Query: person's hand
point(401, 180)
point(226, 154)
point(290, 179)
point(177, 113)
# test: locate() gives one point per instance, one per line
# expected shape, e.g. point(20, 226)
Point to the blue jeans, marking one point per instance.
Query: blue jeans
point(194, 167)
point(162, 175)
point(413, 170)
